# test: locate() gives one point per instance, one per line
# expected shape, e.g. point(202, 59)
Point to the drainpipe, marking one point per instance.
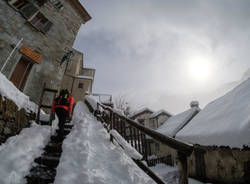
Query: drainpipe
point(19, 42)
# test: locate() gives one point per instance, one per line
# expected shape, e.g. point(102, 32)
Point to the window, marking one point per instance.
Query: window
point(19, 3)
point(80, 85)
point(41, 23)
point(41, 2)
point(30, 12)
point(57, 4)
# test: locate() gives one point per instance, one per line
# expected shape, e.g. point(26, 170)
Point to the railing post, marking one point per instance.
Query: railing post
point(182, 164)
point(131, 136)
point(111, 124)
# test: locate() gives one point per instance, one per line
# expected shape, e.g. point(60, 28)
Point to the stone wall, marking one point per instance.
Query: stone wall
point(12, 120)
point(215, 164)
point(220, 165)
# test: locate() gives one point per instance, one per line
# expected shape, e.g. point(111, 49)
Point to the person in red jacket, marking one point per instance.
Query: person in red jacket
point(63, 106)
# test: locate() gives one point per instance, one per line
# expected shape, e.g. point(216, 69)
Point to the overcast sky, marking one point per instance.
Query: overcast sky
point(152, 51)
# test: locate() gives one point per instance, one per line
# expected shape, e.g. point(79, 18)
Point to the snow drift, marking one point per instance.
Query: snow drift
point(223, 122)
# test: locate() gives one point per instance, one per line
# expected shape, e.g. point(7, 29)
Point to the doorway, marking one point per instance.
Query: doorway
point(21, 73)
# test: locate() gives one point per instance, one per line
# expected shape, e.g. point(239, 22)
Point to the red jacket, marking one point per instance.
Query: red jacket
point(68, 108)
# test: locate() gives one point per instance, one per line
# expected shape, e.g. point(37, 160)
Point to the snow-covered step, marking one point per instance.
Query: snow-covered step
point(44, 169)
point(51, 162)
point(68, 126)
point(52, 148)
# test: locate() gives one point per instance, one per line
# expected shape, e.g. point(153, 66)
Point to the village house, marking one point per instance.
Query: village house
point(77, 79)
point(153, 120)
point(170, 128)
point(157, 119)
point(141, 115)
point(34, 37)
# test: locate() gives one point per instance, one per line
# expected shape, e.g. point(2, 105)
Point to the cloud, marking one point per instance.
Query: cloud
point(144, 48)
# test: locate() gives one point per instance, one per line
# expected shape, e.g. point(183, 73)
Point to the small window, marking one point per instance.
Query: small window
point(19, 4)
point(28, 10)
point(41, 2)
point(41, 23)
point(57, 4)
point(80, 85)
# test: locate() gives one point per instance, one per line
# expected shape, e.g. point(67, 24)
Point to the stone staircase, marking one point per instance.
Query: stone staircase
point(44, 167)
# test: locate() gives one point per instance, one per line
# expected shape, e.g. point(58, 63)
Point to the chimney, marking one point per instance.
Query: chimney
point(194, 104)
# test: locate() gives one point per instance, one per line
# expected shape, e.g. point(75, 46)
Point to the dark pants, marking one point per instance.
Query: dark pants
point(62, 115)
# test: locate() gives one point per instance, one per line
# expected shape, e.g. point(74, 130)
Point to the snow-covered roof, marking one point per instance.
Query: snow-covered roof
point(85, 77)
point(136, 113)
point(223, 122)
point(157, 113)
point(177, 122)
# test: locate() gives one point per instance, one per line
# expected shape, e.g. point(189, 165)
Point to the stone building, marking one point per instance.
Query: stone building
point(157, 119)
point(141, 115)
point(77, 79)
point(46, 31)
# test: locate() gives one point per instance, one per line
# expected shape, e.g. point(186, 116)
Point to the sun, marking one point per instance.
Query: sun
point(199, 69)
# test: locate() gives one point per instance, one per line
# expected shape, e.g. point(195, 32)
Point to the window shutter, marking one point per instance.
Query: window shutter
point(28, 10)
point(58, 5)
point(46, 27)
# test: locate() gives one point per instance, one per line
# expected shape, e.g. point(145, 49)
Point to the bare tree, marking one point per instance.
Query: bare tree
point(122, 104)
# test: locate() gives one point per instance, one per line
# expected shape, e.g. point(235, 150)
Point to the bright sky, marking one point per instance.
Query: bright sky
point(165, 53)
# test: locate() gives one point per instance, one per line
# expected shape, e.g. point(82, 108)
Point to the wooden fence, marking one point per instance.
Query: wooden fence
point(135, 134)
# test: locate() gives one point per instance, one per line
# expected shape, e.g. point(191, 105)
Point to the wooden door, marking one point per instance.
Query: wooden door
point(21, 73)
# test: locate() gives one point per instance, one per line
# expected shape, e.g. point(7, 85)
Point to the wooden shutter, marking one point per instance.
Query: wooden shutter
point(28, 10)
point(46, 27)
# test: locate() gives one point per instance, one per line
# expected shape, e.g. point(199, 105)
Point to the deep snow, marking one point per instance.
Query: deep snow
point(170, 174)
point(18, 152)
point(223, 122)
point(89, 156)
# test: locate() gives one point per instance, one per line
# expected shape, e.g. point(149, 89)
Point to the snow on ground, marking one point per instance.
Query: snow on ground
point(18, 152)
point(225, 121)
point(177, 122)
point(9, 90)
point(92, 101)
point(89, 157)
point(170, 174)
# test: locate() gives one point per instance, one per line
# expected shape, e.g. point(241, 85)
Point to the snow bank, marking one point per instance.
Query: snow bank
point(18, 153)
point(8, 90)
point(92, 101)
point(129, 150)
point(170, 174)
point(175, 123)
point(223, 122)
point(89, 157)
